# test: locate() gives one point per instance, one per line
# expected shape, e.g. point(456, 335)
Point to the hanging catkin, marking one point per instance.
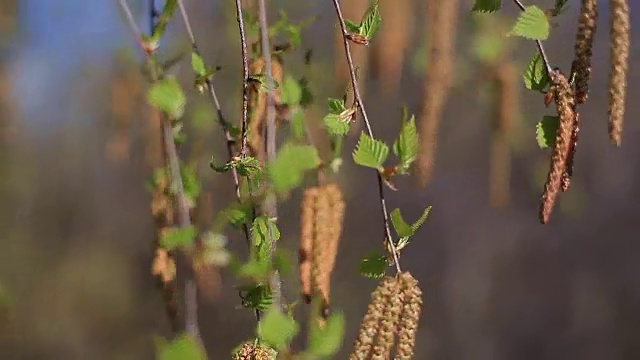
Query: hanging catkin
point(565, 106)
point(321, 227)
point(411, 309)
point(620, 28)
point(583, 46)
point(440, 44)
point(568, 173)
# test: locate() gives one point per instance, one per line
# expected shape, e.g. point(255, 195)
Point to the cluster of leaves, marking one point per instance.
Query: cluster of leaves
point(533, 23)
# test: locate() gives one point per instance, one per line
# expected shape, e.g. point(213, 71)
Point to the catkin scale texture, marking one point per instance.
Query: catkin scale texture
point(411, 310)
point(620, 28)
point(581, 65)
point(565, 106)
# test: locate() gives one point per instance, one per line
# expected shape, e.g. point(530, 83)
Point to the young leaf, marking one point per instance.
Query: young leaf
point(183, 347)
point(167, 95)
point(351, 26)
point(277, 329)
point(406, 145)
point(335, 125)
point(373, 266)
point(370, 22)
point(370, 152)
point(559, 7)
point(336, 106)
point(291, 92)
point(486, 6)
point(287, 169)
point(198, 64)
point(256, 297)
point(297, 125)
point(546, 131)
point(173, 238)
point(535, 76)
point(326, 341)
point(402, 228)
point(531, 24)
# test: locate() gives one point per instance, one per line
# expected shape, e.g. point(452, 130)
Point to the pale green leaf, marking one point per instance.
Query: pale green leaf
point(167, 95)
point(486, 5)
point(532, 24)
point(198, 64)
point(336, 106)
point(535, 76)
point(326, 341)
point(370, 22)
point(370, 152)
point(406, 145)
point(546, 131)
point(183, 347)
point(401, 227)
point(291, 92)
point(373, 266)
point(335, 125)
point(277, 329)
point(287, 169)
point(173, 238)
point(351, 26)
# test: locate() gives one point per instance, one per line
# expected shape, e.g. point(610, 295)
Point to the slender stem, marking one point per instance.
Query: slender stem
point(245, 77)
point(173, 164)
point(541, 50)
point(360, 104)
point(270, 205)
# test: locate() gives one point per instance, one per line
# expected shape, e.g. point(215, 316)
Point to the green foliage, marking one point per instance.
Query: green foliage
point(167, 95)
point(326, 341)
point(406, 145)
point(264, 231)
point(298, 129)
point(174, 238)
point(339, 117)
point(190, 183)
point(532, 24)
point(247, 166)
point(486, 6)
point(198, 64)
point(546, 131)
point(370, 152)
point(560, 6)
point(535, 76)
point(160, 27)
point(287, 169)
point(277, 329)
point(370, 22)
point(291, 91)
point(184, 347)
point(403, 229)
point(373, 266)
point(256, 297)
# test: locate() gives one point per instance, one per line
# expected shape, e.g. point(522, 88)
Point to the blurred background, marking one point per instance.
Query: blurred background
point(77, 144)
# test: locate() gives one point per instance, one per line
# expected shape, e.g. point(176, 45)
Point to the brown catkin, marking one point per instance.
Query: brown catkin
point(440, 43)
point(620, 29)
point(411, 309)
point(565, 106)
point(307, 217)
point(568, 173)
point(581, 65)
point(320, 230)
point(380, 299)
point(388, 326)
point(258, 103)
point(251, 351)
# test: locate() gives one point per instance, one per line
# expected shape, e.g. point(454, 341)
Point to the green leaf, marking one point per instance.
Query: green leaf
point(327, 341)
point(546, 131)
point(401, 227)
point(336, 106)
point(335, 125)
point(531, 24)
point(190, 182)
point(535, 76)
point(287, 169)
point(173, 238)
point(370, 152)
point(559, 7)
point(291, 92)
point(246, 166)
point(264, 230)
point(370, 22)
point(488, 47)
point(167, 95)
point(297, 124)
point(406, 145)
point(256, 297)
point(486, 6)
point(351, 26)
point(198, 64)
point(373, 266)
point(183, 347)
point(277, 329)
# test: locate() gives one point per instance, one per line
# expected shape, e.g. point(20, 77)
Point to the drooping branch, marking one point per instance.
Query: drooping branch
point(363, 112)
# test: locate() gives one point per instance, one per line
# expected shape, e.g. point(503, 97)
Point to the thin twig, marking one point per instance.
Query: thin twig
point(543, 53)
point(221, 117)
point(245, 77)
point(359, 103)
point(184, 220)
point(270, 205)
